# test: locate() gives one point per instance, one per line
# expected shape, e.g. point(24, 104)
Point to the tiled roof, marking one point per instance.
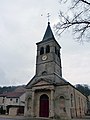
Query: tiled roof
point(12, 94)
point(3, 95)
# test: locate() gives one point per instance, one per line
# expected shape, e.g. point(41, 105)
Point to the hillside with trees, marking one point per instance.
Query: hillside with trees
point(84, 89)
point(9, 88)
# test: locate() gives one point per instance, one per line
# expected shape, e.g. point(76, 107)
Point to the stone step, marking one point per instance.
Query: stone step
point(41, 118)
point(30, 118)
point(7, 117)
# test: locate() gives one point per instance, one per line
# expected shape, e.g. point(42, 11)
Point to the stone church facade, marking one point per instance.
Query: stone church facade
point(48, 94)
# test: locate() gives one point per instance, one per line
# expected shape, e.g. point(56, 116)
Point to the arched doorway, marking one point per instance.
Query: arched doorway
point(44, 106)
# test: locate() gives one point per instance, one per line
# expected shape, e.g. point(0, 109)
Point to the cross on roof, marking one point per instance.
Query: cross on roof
point(48, 16)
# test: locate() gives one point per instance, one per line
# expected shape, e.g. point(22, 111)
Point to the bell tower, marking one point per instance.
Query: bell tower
point(48, 60)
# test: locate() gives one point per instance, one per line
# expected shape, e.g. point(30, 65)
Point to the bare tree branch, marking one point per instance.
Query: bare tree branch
point(80, 21)
point(84, 1)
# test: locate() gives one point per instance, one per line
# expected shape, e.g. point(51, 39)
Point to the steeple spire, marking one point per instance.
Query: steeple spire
point(48, 34)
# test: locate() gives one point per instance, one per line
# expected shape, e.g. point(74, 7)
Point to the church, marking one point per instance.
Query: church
point(48, 94)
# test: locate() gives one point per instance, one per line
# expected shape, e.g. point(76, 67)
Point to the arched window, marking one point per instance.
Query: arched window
point(55, 50)
point(41, 50)
point(62, 103)
point(71, 100)
point(58, 53)
point(44, 73)
point(29, 103)
point(47, 49)
point(79, 100)
point(3, 100)
point(62, 99)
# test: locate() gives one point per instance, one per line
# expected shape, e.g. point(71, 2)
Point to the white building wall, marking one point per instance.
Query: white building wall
point(12, 101)
point(22, 100)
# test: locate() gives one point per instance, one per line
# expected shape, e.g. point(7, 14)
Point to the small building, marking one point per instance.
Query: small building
point(48, 94)
point(2, 103)
point(12, 103)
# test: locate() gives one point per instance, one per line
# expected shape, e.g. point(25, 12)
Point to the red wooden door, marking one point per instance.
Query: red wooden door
point(44, 106)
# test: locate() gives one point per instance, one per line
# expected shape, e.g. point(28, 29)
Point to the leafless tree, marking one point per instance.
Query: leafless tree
point(77, 16)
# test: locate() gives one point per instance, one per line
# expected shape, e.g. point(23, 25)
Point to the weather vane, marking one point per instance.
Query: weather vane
point(48, 16)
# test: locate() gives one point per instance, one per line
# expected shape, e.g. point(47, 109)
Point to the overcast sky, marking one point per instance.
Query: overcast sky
point(22, 25)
